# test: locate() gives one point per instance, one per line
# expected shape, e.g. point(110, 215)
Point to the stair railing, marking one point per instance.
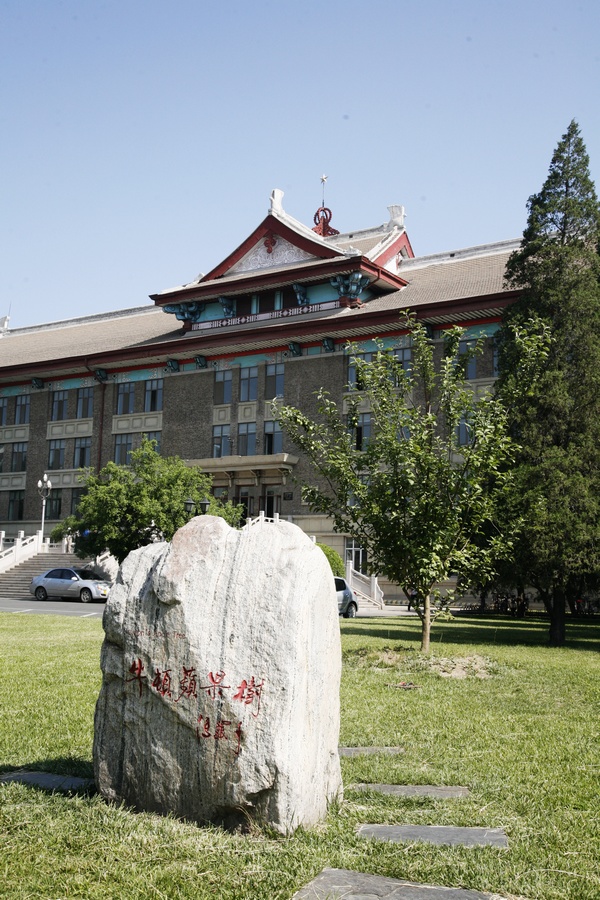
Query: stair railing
point(23, 548)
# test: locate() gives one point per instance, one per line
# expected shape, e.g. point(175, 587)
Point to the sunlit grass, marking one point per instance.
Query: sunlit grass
point(524, 739)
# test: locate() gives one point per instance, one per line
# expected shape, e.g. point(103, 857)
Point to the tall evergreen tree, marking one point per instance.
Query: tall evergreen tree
point(557, 475)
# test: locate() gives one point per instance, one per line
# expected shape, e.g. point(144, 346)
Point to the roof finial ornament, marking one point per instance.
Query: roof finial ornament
point(322, 217)
point(323, 182)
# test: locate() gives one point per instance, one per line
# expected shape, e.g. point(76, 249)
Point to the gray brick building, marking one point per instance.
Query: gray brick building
point(198, 368)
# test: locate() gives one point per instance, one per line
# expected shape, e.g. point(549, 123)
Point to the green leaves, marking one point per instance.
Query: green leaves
point(125, 507)
point(420, 501)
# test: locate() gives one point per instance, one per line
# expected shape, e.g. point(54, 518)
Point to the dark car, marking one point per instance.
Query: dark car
point(81, 584)
point(346, 598)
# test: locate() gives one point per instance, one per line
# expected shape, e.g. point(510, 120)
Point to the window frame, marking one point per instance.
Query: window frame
point(22, 409)
point(222, 389)
point(153, 395)
point(56, 447)
point(125, 392)
point(59, 410)
point(85, 401)
point(248, 384)
point(19, 453)
point(246, 438)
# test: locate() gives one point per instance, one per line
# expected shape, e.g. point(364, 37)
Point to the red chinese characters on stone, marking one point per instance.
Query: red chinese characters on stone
point(216, 686)
point(220, 732)
point(248, 692)
point(137, 668)
point(187, 684)
point(162, 682)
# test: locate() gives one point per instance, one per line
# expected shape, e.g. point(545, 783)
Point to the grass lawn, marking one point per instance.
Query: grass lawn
point(519, 727)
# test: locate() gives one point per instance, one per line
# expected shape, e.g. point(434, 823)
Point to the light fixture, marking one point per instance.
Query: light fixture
point(101, 375)
point(44, 488)
point(173, 365)
point(191, 506)
point(200, 362)
point(37, 383)
point(295, 348)
point(328, 345)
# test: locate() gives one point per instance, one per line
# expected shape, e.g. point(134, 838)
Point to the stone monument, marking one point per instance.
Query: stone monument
point(221, 673)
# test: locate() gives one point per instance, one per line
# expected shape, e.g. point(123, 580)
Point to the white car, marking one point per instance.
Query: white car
point(346, 598)
point(80, 584)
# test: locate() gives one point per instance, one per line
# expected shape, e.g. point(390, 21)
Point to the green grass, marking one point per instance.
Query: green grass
point(524, 739)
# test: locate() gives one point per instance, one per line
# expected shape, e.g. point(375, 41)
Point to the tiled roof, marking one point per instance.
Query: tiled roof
point(437, 280)
point(86, 336)
point(447, 280)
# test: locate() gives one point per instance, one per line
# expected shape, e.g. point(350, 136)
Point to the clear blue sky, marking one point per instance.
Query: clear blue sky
point(141, 138)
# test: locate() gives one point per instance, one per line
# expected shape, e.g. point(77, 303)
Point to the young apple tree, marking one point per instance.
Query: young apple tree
point(421, 495)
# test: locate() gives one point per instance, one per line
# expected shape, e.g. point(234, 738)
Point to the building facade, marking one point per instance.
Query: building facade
point(197, 370)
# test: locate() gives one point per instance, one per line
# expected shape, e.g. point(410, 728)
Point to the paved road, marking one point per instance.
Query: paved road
point(30, 606)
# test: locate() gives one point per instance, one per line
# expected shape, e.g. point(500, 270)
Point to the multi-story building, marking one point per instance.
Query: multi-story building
point(197, 370)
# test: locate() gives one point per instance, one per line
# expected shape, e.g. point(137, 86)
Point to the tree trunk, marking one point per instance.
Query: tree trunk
point(426, 624)
point(557, 618)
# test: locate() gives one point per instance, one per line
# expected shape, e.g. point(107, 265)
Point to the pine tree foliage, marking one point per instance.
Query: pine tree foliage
point(557, 475)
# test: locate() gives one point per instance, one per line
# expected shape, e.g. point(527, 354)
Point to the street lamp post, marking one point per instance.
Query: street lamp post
point(44, 487)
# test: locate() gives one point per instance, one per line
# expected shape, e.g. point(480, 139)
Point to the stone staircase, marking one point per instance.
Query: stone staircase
point(14, 584)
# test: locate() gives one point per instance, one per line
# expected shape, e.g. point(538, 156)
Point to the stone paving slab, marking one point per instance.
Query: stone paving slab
point(438, 792)
point(369, 751)
point(341, 883)
point(452, 835)
point(50, 782)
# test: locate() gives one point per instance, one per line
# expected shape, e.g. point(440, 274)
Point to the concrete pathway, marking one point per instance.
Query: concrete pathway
point(437, 792)
point(368, 751)
point(451, 835)
point(49, 782)
point(341, 883)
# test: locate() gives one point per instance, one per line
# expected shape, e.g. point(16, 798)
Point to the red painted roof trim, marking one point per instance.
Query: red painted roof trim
point(280, 229)
point(396, 247)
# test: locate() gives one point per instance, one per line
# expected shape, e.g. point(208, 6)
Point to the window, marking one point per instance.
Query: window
point(271, 503)
point(18, 462)
point(22, 410)
point(85, 403)
point(54, 504)
point(463, 432)
point(223, 387)
point(123, 448)
point(353, 376)
point(247, 439)
point(466, 348)
point(83, 453)
point(155, 436)
point(404, 356)
point(125, 398)
point(273, 438)
point(76, 495)
point(153, 400)
point(274, 381)
point(362, 431)
point(56, 454)
point(3, 410)
point(248, 384)
point(60, 402)
point(356, 555)
point(247, 501)
point(16, 505)
point(1, 457)
point(221, 441)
